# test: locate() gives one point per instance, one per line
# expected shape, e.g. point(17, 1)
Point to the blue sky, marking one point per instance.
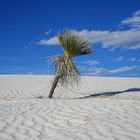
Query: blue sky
point(28, 31)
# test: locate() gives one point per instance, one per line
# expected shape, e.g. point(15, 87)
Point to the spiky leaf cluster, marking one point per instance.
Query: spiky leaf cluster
point(73, 44)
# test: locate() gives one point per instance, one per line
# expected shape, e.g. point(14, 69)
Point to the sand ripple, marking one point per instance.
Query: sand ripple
point(67, 117)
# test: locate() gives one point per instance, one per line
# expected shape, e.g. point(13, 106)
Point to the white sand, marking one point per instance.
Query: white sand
point(73, 113)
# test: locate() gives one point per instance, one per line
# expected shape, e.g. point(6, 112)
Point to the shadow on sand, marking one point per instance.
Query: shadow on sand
point(110, 93)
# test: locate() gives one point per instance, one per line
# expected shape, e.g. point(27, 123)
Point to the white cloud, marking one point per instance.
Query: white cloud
point(122, 69)
point(133, 59)
point(120, 58)
point(97, 71)
point(103, 71)
point(133, 21)
point(94, 36)
point(127, 39)
point(137, 13)
point(90, 62)
point(51, 41)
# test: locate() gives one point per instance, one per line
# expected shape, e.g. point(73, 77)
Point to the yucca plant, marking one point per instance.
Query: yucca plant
point(66, 72)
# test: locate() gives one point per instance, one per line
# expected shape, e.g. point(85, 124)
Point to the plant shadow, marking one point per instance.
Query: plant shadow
point(112, 93)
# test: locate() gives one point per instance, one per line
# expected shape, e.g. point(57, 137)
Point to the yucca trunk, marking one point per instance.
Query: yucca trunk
point(54, 84)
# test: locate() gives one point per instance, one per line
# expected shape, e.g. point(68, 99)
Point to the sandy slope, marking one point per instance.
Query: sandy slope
point(99, 109)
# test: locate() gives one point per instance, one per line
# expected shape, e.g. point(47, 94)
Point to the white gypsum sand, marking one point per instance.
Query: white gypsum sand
point(100, 108)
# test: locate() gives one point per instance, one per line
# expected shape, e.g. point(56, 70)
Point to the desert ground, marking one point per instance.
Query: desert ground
point(99, 108)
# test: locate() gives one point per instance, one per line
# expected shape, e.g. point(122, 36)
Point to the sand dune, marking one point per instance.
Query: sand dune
point(99, 108)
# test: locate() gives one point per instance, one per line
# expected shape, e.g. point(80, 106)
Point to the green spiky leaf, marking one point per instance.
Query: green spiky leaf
point(73, 44)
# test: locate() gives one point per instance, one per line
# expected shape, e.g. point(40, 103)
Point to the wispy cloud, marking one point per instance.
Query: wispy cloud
point(48, 32)
point(120, 58)
point(90, 62)
point(123, 69)
point(131, 59)
point(133, 21)
point(127, 39)
point(134, 59)
point(103, 71)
